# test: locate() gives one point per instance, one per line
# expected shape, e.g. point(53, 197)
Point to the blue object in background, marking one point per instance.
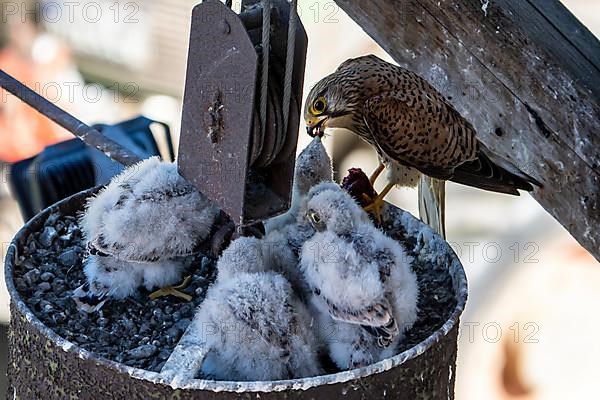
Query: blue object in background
point(69, 167)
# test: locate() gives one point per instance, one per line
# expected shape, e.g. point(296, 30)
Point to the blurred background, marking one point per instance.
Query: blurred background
point(530, 328)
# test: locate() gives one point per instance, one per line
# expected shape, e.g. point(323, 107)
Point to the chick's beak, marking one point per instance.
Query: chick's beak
point(315, 126)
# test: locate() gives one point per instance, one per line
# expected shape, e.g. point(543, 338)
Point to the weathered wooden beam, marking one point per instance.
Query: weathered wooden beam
point(526, 74)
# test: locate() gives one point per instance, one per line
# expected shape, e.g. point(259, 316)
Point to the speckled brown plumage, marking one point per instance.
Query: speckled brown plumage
point(409, 123)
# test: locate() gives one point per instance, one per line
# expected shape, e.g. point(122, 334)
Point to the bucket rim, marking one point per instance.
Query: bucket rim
point(456, 271)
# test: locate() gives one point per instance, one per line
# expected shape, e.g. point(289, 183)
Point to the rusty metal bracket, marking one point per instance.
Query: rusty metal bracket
point(218, 106)
point(243, 165)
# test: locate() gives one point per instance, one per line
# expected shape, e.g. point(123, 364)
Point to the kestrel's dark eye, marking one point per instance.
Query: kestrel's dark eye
point(319, 106)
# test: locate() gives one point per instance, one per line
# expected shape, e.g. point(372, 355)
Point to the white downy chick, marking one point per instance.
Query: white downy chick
point(140, 230)
point(252, 324)
point(364, 292)
point(313, 166)
point(285, 234)
point(281, 248)
point(281, 257)
point(243, 255)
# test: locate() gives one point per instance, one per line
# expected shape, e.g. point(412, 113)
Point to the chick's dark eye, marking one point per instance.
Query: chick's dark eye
point(315, 217)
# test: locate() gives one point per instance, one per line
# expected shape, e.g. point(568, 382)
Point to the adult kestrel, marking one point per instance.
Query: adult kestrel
point(414, 131)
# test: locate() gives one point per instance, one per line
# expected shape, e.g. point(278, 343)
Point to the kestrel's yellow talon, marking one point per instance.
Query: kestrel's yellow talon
point(377, 203)
point(174, 291)
point(376, 173)
point(375, 208)
point(372, 206)
point(368, 199)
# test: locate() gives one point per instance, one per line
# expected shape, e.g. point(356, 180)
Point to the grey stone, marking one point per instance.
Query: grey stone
point(144, 351)
point(47, 276)
point(182, 324)
point(32, 277)
point(65, 238)
point(32, 246)
point(82, 338)
point(158, 314)
point(60, 317)
point(174, 333)
point(145, 328)
point(47, 236)
point(44, 287)
point(187, 310)
point(52, 218)
point(60, 227)
point(176, 316)
point(129, 326)
point(205, 266)
point(164, 355)
point(69, 257)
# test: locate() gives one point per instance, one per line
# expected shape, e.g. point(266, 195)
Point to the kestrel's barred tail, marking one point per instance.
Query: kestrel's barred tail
point(491, 172)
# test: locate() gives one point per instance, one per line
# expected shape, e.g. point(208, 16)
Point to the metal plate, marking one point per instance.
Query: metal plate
point(218, 107)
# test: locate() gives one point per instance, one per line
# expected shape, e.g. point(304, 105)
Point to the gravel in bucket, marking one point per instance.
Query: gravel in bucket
point(141, 332)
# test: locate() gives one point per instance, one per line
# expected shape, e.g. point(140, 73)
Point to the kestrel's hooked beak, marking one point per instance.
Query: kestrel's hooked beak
point(315, 126)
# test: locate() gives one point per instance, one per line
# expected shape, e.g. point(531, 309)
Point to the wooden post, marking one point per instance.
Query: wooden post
point(527, 75)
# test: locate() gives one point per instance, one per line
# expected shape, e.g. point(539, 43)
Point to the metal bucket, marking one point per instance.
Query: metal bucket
point(43, 365)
